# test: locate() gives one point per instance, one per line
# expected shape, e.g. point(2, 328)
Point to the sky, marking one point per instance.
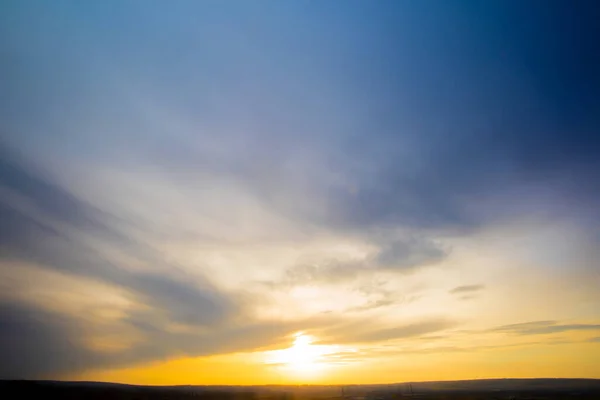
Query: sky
point(252, 192)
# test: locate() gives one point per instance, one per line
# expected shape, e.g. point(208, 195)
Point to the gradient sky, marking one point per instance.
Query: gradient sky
point(186, 185)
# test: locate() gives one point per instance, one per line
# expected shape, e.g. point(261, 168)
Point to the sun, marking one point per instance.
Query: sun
point(302, 356)
point(303, 359)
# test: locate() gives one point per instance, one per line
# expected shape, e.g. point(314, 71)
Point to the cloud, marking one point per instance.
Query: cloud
point(467, 289)
point(378, 296)
point(171, 313)
point(32, 187)
point(35, 343)
point(161, 343)
point(402, 332)
point(399, 349)
point(339, 164)
point(544, 327)
point(53, 239)
point(40, 344)
point(183, 302)
point(374, 304)
point(34, 207)
point(45, 225)
point(411, 252)
point(392, 255)
point(371, 331)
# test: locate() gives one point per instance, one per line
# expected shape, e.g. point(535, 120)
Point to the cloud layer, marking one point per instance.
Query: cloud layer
point(206, 178)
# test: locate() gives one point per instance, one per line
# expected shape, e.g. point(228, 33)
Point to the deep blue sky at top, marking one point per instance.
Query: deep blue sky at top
point(430, 58)
point(466, 93)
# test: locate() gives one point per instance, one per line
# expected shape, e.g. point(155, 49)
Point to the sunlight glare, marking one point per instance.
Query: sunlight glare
point(303, 359)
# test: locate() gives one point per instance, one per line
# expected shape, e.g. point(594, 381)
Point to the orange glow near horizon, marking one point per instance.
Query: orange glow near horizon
point(307, 363)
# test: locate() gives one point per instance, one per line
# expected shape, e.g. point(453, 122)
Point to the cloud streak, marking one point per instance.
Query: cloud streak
point(391, 256)
point(544, 328)
point(467, 289)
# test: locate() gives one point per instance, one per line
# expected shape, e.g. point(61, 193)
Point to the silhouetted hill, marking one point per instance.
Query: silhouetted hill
point(451, 390)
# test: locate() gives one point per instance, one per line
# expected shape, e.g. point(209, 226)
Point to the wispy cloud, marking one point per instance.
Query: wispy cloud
point(400, 349)
point(544, 327)
point(54, 233)
point(372, 331)
point(467, 289)
point(392, 256)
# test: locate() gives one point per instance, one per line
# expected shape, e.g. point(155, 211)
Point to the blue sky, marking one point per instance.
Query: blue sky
point(203, 178)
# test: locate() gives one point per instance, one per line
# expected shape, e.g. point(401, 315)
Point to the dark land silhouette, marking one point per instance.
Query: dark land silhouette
point(522, 389)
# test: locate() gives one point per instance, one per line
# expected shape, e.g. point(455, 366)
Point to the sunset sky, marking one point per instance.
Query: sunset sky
point(295, 191)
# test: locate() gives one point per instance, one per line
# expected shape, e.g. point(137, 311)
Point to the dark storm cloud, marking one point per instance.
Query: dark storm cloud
point(544, 327)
